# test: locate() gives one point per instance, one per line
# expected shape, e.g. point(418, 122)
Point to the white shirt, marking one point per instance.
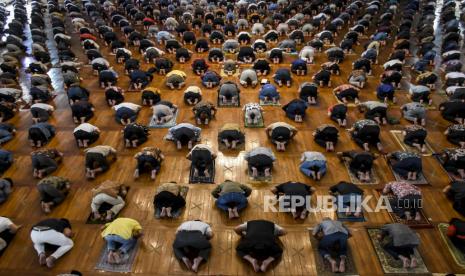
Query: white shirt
point(194, 225)
point(312, 156)
point(11, 91)
point(132, 106)
point(258, 41)
point(448, 53)
point(451, 89)
point(5, 223)
point(455, 75)
point(193, 89)
point(43, 106)
point(86, 127)
point(101, 61)
point(252, 106)
point(391, 63)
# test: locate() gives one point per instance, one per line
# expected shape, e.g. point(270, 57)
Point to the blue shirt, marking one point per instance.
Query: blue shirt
point(163, 35)
point(268, 90)
point(299, 63)
point(210, 76)
point(380, 36)
point(6, 156)
point(282, 73)
point(47, 129)
point(385, 88)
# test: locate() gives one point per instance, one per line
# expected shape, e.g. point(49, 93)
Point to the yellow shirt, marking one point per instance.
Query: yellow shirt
point(123, 227)
point(230, 126)
point(152, 89)
point(177, 72)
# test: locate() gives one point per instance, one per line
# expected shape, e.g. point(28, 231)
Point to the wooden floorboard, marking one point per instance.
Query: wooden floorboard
point(155, 256)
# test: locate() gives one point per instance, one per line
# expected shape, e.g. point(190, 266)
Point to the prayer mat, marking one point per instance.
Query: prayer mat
point(399, 137)
point(341, 216)
point(201, 178)
point(374, 179)
point(396, 215)
point(323, 267)
point(170, 123)
point(421, 180)
point(391, 265)
point(103, 209)
point(457, 255)
point(125, 266)
point(260, 178)
point(451, 175)
point(222, 147)
point(261, 123)
point(221, 104)
point(269, 103)
point(183, 193)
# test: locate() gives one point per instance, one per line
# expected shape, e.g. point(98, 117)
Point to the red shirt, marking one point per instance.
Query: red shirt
point(88, 36)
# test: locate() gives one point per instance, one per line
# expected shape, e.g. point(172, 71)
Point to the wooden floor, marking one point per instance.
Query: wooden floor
point(155, 256)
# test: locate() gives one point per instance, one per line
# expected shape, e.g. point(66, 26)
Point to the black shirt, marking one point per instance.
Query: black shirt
point(188, 36)
point(202, 43)
point(245, 52)
point(261, 65)
point(457, 190)
point(182, 52)
point(215, 53)
point(163, 63)
point(323, 75)
point(294, 188)
point(58, 225)
point(345, 188)
point(216, 35)
point(230, 28)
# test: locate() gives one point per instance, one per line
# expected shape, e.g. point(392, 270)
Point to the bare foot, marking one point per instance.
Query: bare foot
point(405, 261)
point(266, 263)
point(418, 216)
point(413, 262)
point(96, 216)
point(42, 259)
point(230, 213)
point(195, 266)
point(136, 173)
point(342, 265)
point(50, 261)
point(187, 262)
point(110, 258)
point(255, 265)
point(333, 263)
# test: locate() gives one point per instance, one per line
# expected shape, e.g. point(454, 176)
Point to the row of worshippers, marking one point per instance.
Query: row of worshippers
point(259, 244)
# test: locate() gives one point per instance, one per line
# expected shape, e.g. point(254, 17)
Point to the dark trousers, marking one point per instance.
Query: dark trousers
point(333, 242)
point(44, 163)
point(396, 251)
point(48, 193)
